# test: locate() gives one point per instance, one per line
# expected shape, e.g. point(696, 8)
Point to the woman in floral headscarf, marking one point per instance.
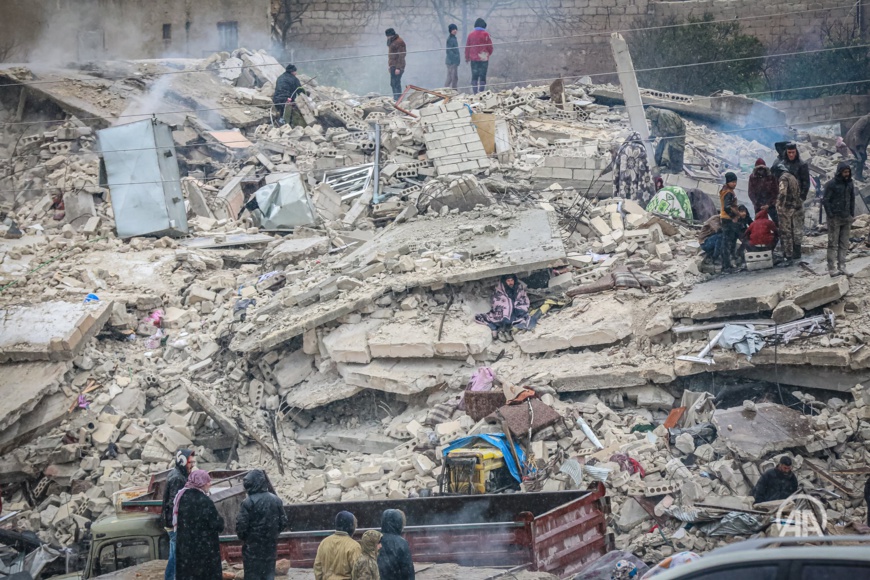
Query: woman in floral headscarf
point(198, 526)
point(631, 175)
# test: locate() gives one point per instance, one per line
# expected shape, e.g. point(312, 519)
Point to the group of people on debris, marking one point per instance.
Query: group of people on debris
point(194, 526)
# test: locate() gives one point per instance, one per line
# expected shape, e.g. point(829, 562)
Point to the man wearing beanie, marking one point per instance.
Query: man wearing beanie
point(763, 189)
point(396, 61)
point(728, 215)
point(478, 49)
point(452, 61)
point(337, 554)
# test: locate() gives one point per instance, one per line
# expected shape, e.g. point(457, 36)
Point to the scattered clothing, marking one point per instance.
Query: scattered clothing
point(774, 485)
point(366, 565)
point(763, 187)
point(856, 140)
point(741, 339)
point(260, 521)
point(632, 178)
point(394, 560)
point(839, 204)
point(670, 129)
point(198, 554)
point(510, 307)
point(672, 201)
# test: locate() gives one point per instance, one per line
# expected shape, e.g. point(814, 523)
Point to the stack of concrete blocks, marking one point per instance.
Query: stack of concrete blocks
point(452, 142)
point(759, 260)
point(342, 114)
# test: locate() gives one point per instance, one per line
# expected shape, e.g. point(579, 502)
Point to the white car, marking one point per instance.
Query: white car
point(782, 559)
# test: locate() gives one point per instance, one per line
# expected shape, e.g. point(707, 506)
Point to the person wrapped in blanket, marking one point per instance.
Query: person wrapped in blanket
point(509, 309)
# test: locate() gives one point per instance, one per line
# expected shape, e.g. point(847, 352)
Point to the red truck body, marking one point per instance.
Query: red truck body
point(555, 532)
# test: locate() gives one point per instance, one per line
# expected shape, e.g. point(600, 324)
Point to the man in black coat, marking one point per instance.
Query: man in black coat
point(453, 60)
point(839, 204)
point(394, 559)
point(184, 464)
point(287, 88)
point(261, 519)
point(791, 160)
point(776, 483)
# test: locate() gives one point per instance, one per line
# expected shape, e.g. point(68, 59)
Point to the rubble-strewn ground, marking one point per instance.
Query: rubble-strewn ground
point(328, 347)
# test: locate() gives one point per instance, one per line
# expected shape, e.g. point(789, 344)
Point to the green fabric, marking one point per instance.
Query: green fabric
point(672, 201)
point(293, 117)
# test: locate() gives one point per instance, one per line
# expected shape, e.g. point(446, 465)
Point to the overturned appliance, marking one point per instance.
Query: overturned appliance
point(140, 167)
point(283, 205)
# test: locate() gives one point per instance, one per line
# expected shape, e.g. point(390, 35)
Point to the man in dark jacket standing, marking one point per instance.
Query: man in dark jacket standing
point(839, 204)
point(763, 189)
point(791, 160)
point(261, 519)
point(478, 50)
point(185, 462)
point(394, 560)
point(776, 483)
point(452, 61)
point(287, 88)
point(396, 61)
point(856, 140)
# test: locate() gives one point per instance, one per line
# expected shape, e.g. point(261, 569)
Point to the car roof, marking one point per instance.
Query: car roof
point(845, 554)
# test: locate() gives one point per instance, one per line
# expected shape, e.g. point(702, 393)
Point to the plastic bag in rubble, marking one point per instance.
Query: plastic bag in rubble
point(736, 524)
point(742, 339)
point(587, 430)
point(601, 568)
point(701, 433)
point(596, 473)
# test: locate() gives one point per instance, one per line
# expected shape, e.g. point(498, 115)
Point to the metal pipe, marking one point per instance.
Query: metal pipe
point(377, 172)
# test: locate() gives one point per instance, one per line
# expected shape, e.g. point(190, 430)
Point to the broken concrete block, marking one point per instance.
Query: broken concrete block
point(293, 369)
point(349, 343)
point(664, 252)
point(631, 515)
point(600, 226)
point(685, 443)
point(198, 294)
point(423, 464)
point(822, 292)
point(787, 311)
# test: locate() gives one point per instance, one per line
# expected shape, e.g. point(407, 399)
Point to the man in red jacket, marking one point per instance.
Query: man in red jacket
point(761, 234)
point(478, 49)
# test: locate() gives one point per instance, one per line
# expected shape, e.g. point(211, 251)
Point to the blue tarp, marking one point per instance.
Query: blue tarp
point(499, 441)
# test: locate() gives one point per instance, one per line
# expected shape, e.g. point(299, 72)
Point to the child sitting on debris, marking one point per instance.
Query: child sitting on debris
point(510, 308)
point(761, 235)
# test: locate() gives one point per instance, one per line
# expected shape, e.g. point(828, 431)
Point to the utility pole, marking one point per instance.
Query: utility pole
point(631, 92)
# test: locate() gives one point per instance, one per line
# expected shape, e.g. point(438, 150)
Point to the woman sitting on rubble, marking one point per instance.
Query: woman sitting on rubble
point(510, 308)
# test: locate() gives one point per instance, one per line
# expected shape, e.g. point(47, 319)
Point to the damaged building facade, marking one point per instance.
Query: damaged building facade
point(309, 301)
point(50, 31)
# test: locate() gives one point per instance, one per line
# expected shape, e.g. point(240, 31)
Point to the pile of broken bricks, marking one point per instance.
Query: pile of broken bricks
point(343, 335)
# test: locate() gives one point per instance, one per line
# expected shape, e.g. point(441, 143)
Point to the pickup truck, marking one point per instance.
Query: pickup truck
point(555, 532)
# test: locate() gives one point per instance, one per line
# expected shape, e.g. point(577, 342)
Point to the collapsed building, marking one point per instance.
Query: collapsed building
point(326, 331)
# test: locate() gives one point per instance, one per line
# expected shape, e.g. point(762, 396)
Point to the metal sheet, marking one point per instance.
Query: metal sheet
point(143, 177)
point(284, 205)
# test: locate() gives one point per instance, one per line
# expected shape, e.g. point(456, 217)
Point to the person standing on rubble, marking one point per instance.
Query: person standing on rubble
point(763, 189)
point(776, 483)
point(453, 59)
point(287, 88)
point(839, 204)
point(728, 216)
point(261, 519)
point(790, 208)
point(670, 130)
point(185, 462)
point(791, 160)
point(396, 61)
point(198, 525)
point(856, 140)
point(337, 554)
point(394, 560)
point(478, 50)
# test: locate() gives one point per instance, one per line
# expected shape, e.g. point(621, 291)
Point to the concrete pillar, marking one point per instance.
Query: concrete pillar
point(631, 92)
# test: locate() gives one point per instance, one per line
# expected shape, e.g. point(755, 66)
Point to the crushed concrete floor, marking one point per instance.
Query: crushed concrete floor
point(329, 345)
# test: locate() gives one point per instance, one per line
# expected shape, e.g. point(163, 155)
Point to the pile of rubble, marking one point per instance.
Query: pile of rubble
point(320, 354)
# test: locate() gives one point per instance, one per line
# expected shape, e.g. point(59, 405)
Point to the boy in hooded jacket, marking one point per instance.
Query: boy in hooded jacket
point(394, 561)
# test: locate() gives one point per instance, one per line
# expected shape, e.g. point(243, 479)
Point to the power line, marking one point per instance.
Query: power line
point(518, 82)
point(438, 50)
point(244, 139)
point(731, 131)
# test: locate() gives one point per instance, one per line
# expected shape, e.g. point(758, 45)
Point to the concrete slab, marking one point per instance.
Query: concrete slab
point(349, 342)
point(144, 268)
point(292, 251)
point(526, 241)
point(735, 295)
point(49, 330)
point(809, 377)
point(318, 390)
point(822, 292)
point(599, 321)
point(589, 371)
point(752, 435)
point(26, 413)
point(459, 338)
point(404, 377)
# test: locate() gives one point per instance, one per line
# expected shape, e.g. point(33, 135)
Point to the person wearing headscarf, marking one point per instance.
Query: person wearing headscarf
point(185, 460)
point(623, 570)
point(366, 565)
point(337, 554)
point(763, 189)
point(198, 526)
point(632, 178)
point(510, 308)
point(394, 560)
point(260, 521)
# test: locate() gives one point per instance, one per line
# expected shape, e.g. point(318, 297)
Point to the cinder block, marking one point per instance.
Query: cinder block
point(759, 260)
